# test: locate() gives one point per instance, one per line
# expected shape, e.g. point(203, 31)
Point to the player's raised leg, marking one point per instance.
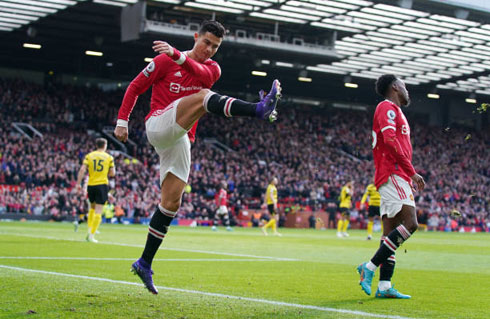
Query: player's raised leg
point(191, 108)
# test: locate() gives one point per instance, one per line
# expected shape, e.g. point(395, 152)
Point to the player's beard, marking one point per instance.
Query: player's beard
point(405, 101)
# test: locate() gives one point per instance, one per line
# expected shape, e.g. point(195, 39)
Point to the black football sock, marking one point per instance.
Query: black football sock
point(228, 106)
point(390, 243)
point(387, 268)
point(156, 232)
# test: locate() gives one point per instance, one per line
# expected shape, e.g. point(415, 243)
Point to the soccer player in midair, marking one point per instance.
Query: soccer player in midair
point(395, 178)
point(180, 97)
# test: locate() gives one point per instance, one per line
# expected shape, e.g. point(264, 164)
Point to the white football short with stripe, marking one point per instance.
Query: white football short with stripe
point(170, 141)
point(394, 194)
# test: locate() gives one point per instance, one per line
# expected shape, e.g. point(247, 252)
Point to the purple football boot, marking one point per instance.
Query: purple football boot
point(143, 270)
point(266, 108)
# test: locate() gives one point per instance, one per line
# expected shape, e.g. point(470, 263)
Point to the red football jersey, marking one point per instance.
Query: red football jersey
point(221, 198)
point(172, 78)
point(392, 149)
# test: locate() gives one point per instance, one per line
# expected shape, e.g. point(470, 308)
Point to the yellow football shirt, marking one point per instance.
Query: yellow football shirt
point(98, 164)
point(345, 197)
point(374, 196)
point(271, 194)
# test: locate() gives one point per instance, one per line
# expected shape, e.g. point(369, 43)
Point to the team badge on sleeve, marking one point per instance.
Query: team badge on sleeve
point(391, 116)
point(149, 68)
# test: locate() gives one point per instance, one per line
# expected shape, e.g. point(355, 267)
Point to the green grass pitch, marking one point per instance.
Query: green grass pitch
point(49, 271)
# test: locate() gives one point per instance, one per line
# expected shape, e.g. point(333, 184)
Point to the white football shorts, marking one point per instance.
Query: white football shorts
point(222, 210)
point(170, 141)
point(395, 193)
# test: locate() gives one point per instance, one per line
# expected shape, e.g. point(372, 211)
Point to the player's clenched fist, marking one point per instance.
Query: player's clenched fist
point(163, 47)
point(121, 133)
point(419, 181)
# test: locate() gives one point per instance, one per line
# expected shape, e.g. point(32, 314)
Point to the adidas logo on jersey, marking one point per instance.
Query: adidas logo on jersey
point(178, 74)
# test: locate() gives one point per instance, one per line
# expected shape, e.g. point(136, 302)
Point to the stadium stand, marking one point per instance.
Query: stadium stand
point(312, 151)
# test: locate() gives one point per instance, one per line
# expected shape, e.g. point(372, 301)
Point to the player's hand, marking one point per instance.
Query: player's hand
point(121, 133)
point(419, 181)
point(362, 206)
point(163, 47)
point(78, 188)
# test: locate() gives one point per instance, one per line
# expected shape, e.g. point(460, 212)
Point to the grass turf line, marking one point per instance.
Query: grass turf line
point(323, 275)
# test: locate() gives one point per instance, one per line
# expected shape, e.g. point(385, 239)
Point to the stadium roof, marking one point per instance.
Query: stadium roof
point(427, 43)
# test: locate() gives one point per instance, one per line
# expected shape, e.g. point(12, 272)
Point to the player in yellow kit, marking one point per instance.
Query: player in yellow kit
point(345, 206)
point(100, 165)
point(373, 210)
point(270, 199)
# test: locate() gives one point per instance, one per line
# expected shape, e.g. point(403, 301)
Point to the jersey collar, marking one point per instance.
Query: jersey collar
point(391, 102)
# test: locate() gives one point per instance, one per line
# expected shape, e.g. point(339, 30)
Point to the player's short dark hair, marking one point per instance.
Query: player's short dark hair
point(213, 27)
point(384, 82)
point(100, 142)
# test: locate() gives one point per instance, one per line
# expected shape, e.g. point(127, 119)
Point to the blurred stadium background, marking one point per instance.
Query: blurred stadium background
point(64, 66)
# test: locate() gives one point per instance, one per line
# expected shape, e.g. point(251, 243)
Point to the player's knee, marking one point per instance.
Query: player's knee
point(202, 94)
point(412, 226)
point(172, 205)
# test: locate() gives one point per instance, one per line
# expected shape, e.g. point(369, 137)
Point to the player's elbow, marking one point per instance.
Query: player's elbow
point(135, 88)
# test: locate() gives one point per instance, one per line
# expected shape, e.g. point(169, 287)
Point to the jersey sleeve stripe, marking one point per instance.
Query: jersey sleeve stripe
point(388, 127)
point(122, 123)
point(181, 59)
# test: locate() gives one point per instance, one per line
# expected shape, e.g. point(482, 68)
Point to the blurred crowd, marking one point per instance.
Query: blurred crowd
point(313, 152)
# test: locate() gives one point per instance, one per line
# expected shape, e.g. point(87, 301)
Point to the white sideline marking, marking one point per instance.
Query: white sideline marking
point(128, 259)
point(213, 294)
point(161, 248)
